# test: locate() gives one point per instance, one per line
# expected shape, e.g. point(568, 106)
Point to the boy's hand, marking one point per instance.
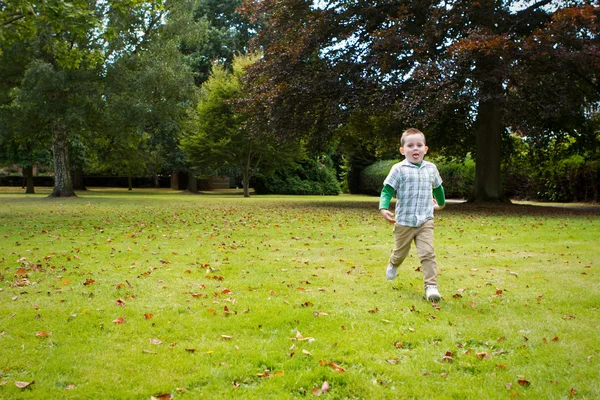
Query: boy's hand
point(388, 215)
point(436, 206)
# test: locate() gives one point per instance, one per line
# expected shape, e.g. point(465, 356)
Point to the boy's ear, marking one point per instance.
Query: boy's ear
point(402, 150)
point(426, 149)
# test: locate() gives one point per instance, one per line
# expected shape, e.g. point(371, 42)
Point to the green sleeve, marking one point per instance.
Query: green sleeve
point(439, 195)
point(386, 197)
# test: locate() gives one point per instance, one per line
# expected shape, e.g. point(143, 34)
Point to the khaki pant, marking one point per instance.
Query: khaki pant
point(423, 238)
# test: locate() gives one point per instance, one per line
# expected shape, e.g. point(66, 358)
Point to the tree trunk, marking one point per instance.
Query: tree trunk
point(192, 183)
point(129, 182)
point(28, 173)
point(488, 145)
point(63, 185)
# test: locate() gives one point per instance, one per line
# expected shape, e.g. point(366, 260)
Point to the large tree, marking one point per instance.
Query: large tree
point(464, 72)
point(71, 46)
point(217, 136)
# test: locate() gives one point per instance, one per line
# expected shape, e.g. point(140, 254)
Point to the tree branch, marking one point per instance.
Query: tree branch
point(16, 17)
point(537, 5)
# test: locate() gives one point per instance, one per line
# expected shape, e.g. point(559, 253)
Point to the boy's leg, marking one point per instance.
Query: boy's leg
point(424, 245)
point(403, 236)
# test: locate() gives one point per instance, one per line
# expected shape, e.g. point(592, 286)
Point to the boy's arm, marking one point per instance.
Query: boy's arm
point(440, 198)
point(384, 203)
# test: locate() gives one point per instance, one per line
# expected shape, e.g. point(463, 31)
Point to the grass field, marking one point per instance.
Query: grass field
point(156, 293)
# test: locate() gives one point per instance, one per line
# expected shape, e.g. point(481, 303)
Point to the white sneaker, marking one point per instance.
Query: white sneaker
point(391, 271)
point(432, 294)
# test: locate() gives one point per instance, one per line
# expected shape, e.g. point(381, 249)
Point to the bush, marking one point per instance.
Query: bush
point(309, 177)
point(372, 177)
point(458, 177)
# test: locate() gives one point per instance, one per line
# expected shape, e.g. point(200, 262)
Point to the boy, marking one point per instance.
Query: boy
point(413, 181)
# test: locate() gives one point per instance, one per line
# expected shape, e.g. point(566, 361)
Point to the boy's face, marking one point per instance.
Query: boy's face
point(414, 148)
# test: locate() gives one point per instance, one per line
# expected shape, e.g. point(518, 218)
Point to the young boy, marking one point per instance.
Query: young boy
point(413, 181)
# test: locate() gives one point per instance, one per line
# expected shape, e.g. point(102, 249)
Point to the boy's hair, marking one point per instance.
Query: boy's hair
point(408, 132)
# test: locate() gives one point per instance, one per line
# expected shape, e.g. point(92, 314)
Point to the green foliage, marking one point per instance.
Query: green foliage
point(308, 177)
point(458, 177)
point(217, 136)
point(561, 170)
point(372, 177)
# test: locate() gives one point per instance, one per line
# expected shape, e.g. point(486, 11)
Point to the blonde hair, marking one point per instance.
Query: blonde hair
point(408, 132)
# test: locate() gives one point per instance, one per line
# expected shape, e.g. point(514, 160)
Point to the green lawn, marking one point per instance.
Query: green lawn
point(156, 292)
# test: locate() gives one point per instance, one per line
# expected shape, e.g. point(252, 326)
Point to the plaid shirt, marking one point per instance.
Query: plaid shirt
point(413, 185)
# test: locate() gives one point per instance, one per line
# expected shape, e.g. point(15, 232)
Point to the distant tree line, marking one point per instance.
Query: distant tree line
point(281, 93)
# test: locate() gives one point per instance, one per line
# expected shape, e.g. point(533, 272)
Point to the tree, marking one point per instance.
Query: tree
point(71, 46)
point(226, 33)
point(464, 72)
point(217, 136)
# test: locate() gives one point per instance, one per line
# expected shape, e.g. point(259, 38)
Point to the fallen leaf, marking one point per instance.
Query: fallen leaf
point(333, 365)
point(304, 351)
point(523, 382)
point(156, 341)
point(325, 387)
point(23, 385)
point(227, 337)
point(119, 321)
point(43, 334)
point(448, 357)
point(483, 354)
point(148, 316)
point(316, 391)
point(88, 282)
point(163, 396)
point(70, 387)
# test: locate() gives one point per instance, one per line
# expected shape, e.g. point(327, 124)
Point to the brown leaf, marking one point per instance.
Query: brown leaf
point(119, 321)
point(572, 392)
point(163, 396)
point(148, 316)
point(120, 303)
point(483, 354)
point(316, 391)
point(264, 374)
point(23, 385)
point(227, 337)
point(88, 282)
point(523, 382)
point(332, 365)
point(156, 341)
point(448, 357)
point(43, 334)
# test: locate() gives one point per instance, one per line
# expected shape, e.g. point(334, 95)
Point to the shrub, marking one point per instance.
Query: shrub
point(458, 177)
point(372, 177)
point(309, 177)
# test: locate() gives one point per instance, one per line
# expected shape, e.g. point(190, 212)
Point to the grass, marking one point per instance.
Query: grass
point(270, 297)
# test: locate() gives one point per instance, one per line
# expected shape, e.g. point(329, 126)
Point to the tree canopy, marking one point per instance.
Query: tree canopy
point(466, 73)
